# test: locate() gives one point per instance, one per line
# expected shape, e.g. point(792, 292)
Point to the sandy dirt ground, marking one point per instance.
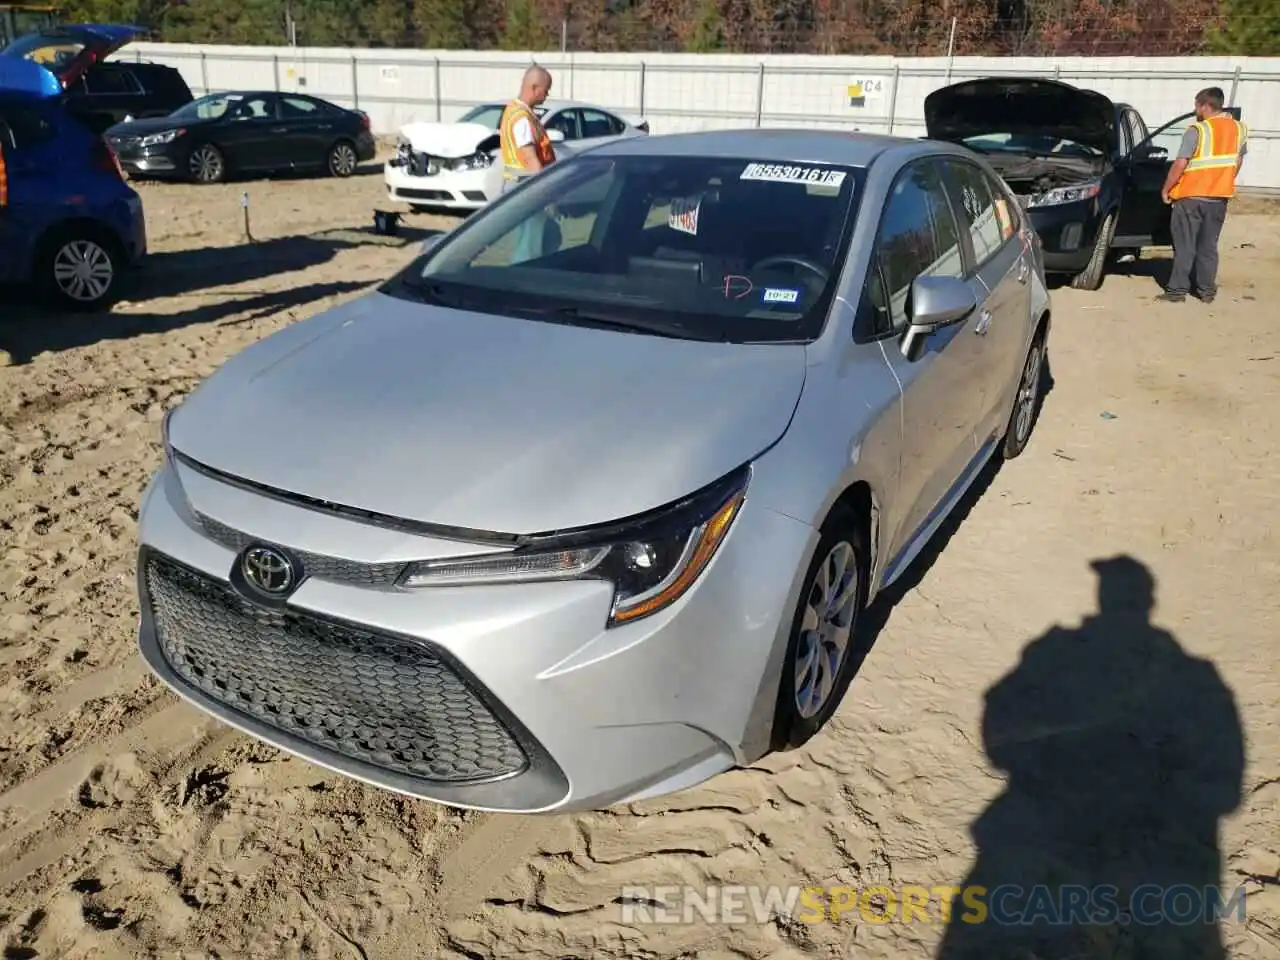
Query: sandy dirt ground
point(1002, 727)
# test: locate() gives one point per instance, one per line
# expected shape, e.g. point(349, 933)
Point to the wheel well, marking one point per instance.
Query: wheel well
point(1042, 326)
point(860, 504)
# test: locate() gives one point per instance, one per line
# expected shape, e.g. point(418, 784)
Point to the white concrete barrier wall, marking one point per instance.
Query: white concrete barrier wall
point(679, 92)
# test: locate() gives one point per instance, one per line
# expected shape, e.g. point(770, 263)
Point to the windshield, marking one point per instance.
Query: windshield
point(52, 54)
point(208, 108)
point(490, 114)
point(1031, 145)
point(706, 248)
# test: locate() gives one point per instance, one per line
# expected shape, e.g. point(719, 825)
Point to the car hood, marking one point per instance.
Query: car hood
point(486, 422)
point(1022, 106)
point(450, 140)
point(149, 125)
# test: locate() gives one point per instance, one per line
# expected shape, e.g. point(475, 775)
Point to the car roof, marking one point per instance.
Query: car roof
point(771, 145)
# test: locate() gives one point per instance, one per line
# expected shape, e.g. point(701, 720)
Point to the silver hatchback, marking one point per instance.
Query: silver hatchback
point(582, 506)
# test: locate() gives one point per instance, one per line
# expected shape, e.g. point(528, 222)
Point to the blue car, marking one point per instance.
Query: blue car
point(69, 222)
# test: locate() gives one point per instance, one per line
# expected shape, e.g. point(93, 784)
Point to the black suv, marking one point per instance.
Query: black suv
point(99, 93)
point(1087, 170)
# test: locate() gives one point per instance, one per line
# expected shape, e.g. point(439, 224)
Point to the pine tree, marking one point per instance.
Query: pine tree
point(1250, 28)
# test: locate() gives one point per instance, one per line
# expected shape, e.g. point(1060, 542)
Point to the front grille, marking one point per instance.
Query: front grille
point(379, 699)
point(413, 193)
point(313, 564)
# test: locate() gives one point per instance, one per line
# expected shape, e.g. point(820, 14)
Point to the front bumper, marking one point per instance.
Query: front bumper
point(510, 698)
point(1068, 232)
point(448, 189)
point(156, 161)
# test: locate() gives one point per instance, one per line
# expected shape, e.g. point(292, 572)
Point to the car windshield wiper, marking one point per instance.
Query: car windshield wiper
point(603, 320)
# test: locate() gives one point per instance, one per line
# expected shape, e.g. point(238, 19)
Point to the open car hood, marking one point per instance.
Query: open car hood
point(1020, 105)
point(96, 41)
point(449, 140)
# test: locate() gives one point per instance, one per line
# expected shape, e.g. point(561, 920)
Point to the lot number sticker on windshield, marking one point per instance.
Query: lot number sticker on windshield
point(780, 173)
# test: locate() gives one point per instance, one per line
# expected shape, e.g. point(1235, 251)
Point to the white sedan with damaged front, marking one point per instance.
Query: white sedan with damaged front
point(456, 166)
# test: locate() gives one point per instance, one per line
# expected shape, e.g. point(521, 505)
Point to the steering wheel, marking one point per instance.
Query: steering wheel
point(820, 272)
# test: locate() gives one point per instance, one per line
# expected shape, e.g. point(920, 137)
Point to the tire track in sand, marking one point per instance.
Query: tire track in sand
point(39, 838)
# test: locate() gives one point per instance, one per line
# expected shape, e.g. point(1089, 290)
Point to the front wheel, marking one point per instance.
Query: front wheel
point(342, 159)
point(820, 659)
point(206, 164)
point(1091, 277)
point(79, 269)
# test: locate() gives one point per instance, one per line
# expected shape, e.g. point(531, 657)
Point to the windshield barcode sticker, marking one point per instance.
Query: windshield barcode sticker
point(780, 173)
point(682, 215)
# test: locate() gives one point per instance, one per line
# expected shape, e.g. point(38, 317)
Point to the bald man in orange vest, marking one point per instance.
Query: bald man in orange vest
point(1200, 182)
point(527, 150)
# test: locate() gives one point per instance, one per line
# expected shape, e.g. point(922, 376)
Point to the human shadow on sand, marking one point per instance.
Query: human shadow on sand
point(1121, 752)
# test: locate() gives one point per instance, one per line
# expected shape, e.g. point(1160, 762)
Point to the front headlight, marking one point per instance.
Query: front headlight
point(651, 562)
point(477, 161)
point(157, 139)
point(1060, 195)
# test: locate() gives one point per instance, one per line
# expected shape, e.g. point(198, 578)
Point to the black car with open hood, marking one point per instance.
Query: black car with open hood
point(1085, 168)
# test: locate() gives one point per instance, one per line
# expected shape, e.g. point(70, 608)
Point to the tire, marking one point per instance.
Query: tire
point(206, 164)
point(79, 268)
point(799, 715)
point(343, 159)
point(1091, 277)
point(1026, 400)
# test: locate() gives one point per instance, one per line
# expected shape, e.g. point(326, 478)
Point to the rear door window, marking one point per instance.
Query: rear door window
point(111, 81)
point(596, 124)
point(295, 108)
point(976, 202)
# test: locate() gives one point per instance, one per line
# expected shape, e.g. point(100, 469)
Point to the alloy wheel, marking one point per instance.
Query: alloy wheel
point(83, 270)
point(825, 629)
point(206, 164)
point(1028, 391)
point(342, 161)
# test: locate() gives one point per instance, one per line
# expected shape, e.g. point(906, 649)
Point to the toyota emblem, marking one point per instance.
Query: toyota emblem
point(268, 570)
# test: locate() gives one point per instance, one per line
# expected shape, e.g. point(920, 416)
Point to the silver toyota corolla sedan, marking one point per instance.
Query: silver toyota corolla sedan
point(582, 505)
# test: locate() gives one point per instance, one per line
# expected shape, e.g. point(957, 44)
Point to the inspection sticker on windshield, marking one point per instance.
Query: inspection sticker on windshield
point(682, 215)
point(780, 295)
point(780, 173)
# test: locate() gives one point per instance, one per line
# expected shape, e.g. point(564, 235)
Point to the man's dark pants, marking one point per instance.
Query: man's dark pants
point(1196, 225)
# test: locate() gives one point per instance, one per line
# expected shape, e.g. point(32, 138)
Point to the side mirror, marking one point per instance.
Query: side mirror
point(555, 136)
point(430, 243)
point(935, 302)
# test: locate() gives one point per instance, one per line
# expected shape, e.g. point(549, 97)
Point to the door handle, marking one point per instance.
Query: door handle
point(1024, 270)
point(984, 321)
point(279, 130)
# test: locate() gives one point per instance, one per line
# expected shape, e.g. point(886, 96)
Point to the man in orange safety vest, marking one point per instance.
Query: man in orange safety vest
point(1200, 182)
point(526, 150)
